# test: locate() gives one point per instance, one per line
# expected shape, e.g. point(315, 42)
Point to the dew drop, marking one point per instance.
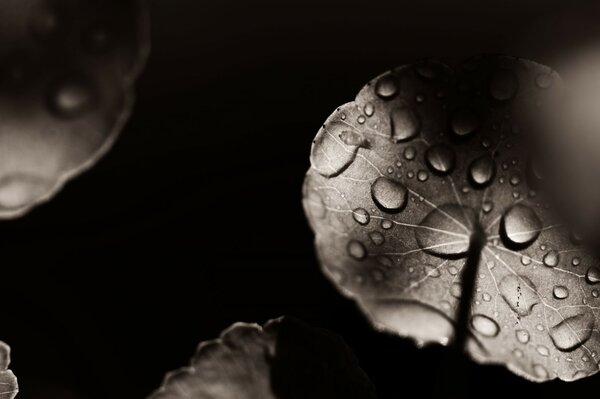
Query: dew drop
point(361, 216)
point(71, 97)
point(595, 293)
point(515, 180)
point(575, 261)
point(543, 351)
point(386, 87)
point(389, 195)
point(485, 325)
point(410, 174)
point(560, 292)
point(519, 293)
point(520, 226)
point(522, 336)
point(356, 250)
point(503, 85)
point(361, 119)
point(404, 123)
point(539, 327)
point(456, 290)
point(464, 122)
point(420, 98)
point(540, 371)
point(453, 270)
point(377, 238)
point(410, 153)
point(518, 353)
point(592, 276)
point(572, 332)
point(442, 231)
point(351, 138)
point(525, 260)
point(386, 224)
point(487, 206)
point(422, 176)
point(486, 297)
point(369, 109)
point(543, 80)
point(440, 159)
point(551, 258)
point(482, 171)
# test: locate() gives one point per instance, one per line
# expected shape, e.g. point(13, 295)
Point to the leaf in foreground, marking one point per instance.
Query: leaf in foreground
point(285, 359)
point(8, 382)
point(431, 167)
point(67, 70)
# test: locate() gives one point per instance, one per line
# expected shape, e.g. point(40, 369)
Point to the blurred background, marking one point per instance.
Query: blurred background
point(193, 221)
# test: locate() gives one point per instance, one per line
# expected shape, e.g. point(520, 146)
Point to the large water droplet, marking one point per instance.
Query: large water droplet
point(386, 87)
point(389, 195)
point(560, 292)
point(592, 275)
point(356, 250)
point(520, 226)
point(482, 171)
point(464, 122)
point(405, 123)
point(444, 231)
point(551, 258)
point(522, 336)
point(485, 325)
point(519, 293)
point(71, 97)
point(572, 332)
point(440, 158)
point(361, 216)
point(503, 85)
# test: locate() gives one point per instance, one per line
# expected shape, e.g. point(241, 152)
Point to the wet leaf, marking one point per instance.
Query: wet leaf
point(67, 70)
point(8, 382)
point(285, 359)
point(396, 223)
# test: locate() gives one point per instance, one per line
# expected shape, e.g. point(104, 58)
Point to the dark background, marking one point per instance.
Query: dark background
point(111, 284)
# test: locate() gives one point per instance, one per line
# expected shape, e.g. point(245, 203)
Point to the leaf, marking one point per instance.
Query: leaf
point(8, 382)
point(446, 161)
point(285, 359)
point(67, 70)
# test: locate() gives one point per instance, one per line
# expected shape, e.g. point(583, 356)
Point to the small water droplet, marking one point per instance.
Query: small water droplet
point(482, 171)
point(575, 261)
point(377, 238)
point(515, 180)
point(503, 85)
point(456, 290)
point(486, 297)
point(369, 109)
point(404, 123)
point(386, 87)
point(543, 80)
point(453, 270)
point(540, 371)
point(389, 195)
point(487, 206)
point(539, 327)
point(446, 305)
point(440, 158)
point(361, 216)
point(422, 176)
point(351, 138)
point(560, 292)
point(485, 325)
point(386, 224)
point(543, 351)
point(522, 336)
point(595, 293)
point(410, 174)
point(71, 97)
point(361, 119)
point(525, 260)
point(410, 153)
point(551, 258)
point(486, 143)
point(464, 122)
point(420, 98)
point(592, 276)
point(518, 353)
point(356, 250)
point(520, 226)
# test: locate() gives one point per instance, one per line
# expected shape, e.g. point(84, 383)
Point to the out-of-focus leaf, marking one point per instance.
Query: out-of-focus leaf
point(8, 382)
point(285, 359)
point(402, 178)
point(67, 69)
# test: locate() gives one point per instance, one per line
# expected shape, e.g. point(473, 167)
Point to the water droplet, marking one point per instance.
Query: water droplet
point(361, 119)
point(560, 292)
point(520, 226)
point(386, 224)
point(543, 80)
point(484, 325)
point(71, 97)
point(519, 293)
point(515, 180)
point(410, 153)
point(464, 122)
point(486, 143)
point(522, 336)
point(386, 87)
point(518, 353)
point(503, 85)
point(592, 275)
point(352, 138)
point(440, 158)
point(525, 260)
point(422, 176)
point(482, 171)
point(543, 351)
point(551, 258)
point(486, 297)
point(404, 123)
point(575, 261)
point(377, 238)
point(572, 332)
point(361, 216)
point(356, 250)
point(420, 98)
point(540, 371)
point(433, 271)
point(442, 231)
point(453, 270)
point(456, 290)
point(595, 293)
point(410, 174)
point(389, 195)
point(539, 327)
point(369, 109)
point(487, 206)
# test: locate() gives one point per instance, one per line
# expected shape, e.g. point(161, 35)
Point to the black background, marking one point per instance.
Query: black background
point(193, 221)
